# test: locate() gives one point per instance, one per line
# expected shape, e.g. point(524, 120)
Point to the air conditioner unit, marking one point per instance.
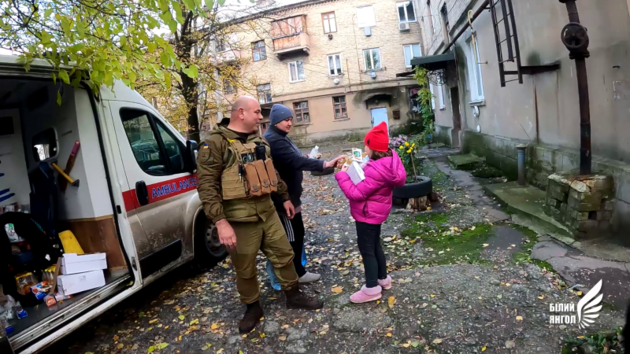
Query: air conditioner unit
point(403, 26)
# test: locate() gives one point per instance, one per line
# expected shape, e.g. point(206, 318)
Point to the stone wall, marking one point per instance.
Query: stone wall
point(499, 152)
point(584, 204)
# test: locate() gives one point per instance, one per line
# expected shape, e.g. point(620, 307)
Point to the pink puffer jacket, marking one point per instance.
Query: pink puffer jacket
point(371, 199)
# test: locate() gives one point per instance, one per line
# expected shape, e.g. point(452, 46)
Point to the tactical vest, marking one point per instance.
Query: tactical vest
point(244, 176)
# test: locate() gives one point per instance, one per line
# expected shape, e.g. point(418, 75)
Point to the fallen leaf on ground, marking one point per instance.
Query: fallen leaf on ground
point(116, 338)
point(161, 346)
point(541, 297)
point(510, 344)
point(483, 349)
point(181, 317)
point(282, 338)
point(153, 321)
point(519, 318)
point(485, 245)
point(391, 301)
point(194, 322)
point(337, 289)
point(388, 334)
point(437, 341)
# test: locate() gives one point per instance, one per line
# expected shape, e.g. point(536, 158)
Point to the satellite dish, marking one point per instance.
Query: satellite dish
point(373, 74)
point(336, 81)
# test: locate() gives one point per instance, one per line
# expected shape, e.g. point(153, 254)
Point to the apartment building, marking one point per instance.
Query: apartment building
point(475, 111)
point(334, 62)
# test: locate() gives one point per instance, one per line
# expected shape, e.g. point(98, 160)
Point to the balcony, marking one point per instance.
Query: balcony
point(229, 56)
point(289, 36)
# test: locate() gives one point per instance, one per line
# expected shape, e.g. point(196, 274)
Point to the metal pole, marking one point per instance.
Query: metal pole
point(521, 164)
point(575, 38)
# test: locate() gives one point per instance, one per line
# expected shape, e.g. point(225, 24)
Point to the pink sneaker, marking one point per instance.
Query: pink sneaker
point(366, 295)
point(386, 283)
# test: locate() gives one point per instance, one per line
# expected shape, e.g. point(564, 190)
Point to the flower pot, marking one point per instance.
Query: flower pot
point(423, 187)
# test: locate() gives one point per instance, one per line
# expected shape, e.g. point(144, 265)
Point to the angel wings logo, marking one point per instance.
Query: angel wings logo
point(584, 315)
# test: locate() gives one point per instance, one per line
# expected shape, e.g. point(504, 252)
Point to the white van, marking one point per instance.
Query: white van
point(135, 200)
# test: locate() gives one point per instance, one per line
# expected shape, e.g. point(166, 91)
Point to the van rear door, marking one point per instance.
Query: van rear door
point(153, 158)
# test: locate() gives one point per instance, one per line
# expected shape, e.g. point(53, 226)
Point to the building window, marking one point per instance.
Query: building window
point(365, 16)
point(432, 96)
point(339, 104)
point(296, 71)
point(406, 12)
point(396, 115)
point(441, 97)
point(259, 51)
point(330, 24)
point(264, 93)
point(372, 59)
point(432, 19)
point(301, 112)
point(474, 72)
point(334, 64)
point(228, 86)
point(411, 51)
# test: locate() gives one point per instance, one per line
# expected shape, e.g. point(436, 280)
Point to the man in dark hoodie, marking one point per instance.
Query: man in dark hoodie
point(289, 162)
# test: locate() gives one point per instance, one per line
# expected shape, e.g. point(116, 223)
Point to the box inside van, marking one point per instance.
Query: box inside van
point(38, 204)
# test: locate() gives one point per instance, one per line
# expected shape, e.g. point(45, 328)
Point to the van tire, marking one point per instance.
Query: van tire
point(208, 250)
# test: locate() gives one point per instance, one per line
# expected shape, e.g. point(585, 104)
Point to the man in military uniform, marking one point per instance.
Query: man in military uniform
point(236, 179)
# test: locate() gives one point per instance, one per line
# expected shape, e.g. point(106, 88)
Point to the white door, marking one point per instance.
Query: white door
point(160, 187)
point(379, 115)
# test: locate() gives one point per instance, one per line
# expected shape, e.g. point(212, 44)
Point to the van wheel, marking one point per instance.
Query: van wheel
point(208, 249)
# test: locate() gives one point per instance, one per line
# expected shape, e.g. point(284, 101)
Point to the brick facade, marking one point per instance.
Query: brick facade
point(318, 86)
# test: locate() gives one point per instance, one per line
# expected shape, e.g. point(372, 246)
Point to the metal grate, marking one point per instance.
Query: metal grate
point(506, 38)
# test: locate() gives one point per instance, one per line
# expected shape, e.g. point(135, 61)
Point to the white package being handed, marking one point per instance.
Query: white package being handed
point(355, 172)
point(314, 152)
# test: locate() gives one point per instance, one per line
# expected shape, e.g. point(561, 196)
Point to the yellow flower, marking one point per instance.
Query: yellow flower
point(409, 151)
point(400, 147)
point(414, 144)
point(406, 143)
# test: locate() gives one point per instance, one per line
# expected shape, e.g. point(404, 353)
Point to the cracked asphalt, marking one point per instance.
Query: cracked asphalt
point(480, 300)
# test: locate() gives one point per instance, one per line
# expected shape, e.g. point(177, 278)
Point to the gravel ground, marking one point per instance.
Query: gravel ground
point(480, 301)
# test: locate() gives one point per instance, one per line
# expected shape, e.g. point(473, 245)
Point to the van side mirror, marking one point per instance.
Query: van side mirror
point(190, 156)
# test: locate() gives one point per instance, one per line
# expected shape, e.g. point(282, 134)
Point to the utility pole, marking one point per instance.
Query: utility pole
point(575, 38)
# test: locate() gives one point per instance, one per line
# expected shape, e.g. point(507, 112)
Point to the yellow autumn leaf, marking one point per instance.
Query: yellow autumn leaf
point(484, 348)
point(337, 289)
point(388, 334)
point(485, 245)
point(262, 335)
point(214, 326)
point(541, 297)
point(391, 301)
point(432, 296)
point(282, 338)
point(407, 345)
point(519, 318)
point(194, 322)
point(153, 321)
point(579, 293)
point(437, 341)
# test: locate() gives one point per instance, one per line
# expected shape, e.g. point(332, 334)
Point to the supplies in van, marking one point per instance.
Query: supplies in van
point(24, 282)
point(70, 242)
point(75, 283)
point(73, 263)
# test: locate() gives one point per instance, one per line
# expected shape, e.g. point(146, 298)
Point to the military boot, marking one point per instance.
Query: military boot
point(251, 318)
point(298, 300)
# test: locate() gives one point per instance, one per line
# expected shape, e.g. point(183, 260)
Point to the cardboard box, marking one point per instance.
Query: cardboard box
point(76, 283)
point(71, 263)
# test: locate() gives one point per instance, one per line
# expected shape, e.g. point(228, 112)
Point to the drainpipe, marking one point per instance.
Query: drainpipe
point(521, 164)
point(575, 38)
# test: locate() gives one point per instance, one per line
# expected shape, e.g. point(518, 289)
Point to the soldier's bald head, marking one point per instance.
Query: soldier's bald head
point(243, 102)
point(246, 114)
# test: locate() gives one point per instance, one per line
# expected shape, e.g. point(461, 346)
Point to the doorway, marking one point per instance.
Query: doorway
point(457, 118)
point(379, 115)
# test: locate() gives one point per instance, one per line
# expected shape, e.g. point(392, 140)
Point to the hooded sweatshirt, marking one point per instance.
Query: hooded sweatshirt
point(371, 199)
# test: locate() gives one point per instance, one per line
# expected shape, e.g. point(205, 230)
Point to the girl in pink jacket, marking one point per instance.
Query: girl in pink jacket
point(370, 204)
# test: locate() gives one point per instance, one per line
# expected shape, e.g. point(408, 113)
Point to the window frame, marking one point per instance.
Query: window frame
point(441, 97)
point(153, 124)
point(474, 73)
point(411, 51)
point(299, 112)
point(372, 23)
point(260, 49)
point(372, 60)
point(297, 73)
point(341, 105)
point(268, 95)
point(404, 4)
point(339, 69)
point(326, 19)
